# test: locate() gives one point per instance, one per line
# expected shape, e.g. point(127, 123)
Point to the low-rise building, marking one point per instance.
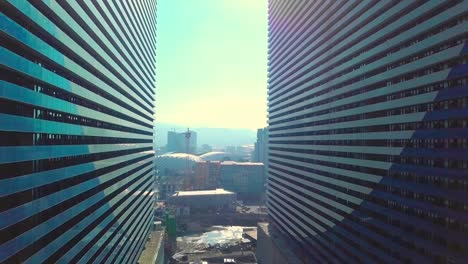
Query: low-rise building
point(247, 179)
point(218, 200)
point(168, 185)
point(206, 175)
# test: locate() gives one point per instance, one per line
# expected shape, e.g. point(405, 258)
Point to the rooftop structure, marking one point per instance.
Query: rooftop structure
point(179, 155)
point(235, 163)
point(175, 163)
point(204, 201)
point(214, 156)
point(204, 192)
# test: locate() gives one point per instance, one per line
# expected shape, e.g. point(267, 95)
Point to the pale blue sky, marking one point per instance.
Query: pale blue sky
point(212, 63)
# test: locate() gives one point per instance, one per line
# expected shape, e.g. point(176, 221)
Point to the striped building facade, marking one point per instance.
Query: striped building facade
point(368, 124)
point(77, 92)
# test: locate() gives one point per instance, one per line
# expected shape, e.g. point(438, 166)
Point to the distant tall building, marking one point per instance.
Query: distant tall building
point(260, 153)
point(231, 150)
point(76, 130)
point(176, 142)
point(241, 153)
point(205, 148)
point(368, 128)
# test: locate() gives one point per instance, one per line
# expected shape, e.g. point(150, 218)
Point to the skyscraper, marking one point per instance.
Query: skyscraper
point(261, 146)
point(368, 129)
point(76, 130)
point(177, 142)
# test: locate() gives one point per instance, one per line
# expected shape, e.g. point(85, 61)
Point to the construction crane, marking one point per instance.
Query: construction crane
point(187, 161)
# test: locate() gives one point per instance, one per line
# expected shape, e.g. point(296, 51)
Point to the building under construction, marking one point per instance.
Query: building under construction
point(177, 142)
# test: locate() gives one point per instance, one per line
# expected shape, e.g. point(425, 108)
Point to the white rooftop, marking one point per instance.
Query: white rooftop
point(181, 156)
point(203, 192)
point(229, 162)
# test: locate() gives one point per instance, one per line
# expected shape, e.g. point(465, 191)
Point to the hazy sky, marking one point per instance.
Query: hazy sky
point(211, 63)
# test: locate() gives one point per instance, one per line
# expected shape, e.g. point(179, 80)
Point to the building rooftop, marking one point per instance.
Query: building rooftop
point(202, 192)
point(182, 156)
point(214, 155)
point(228, 162)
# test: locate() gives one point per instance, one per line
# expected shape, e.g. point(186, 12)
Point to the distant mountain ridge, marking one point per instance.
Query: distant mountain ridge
point(215, 137)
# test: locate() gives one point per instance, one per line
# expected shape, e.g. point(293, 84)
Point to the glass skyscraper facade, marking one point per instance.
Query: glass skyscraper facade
point(368, 129)
point(77, 83)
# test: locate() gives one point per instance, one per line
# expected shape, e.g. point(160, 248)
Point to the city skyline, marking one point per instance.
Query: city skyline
point(216, 137)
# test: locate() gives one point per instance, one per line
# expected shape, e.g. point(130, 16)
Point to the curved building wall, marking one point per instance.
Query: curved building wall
point(368, 129)
point(77, 83)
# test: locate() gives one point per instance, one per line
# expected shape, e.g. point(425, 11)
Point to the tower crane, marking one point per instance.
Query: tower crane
point(187, 161)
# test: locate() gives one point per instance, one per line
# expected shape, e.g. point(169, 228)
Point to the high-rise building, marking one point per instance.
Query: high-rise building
point(177, 142)
point(368, 129)
point(205, 148)
point(261, 146)
point(77, 83)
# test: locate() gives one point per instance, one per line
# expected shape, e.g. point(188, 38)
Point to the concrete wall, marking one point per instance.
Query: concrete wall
point(245, 179)
point(271, 248)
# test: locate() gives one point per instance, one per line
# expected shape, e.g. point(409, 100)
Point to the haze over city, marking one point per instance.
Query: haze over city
point(211, 63)
point(138, 131)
